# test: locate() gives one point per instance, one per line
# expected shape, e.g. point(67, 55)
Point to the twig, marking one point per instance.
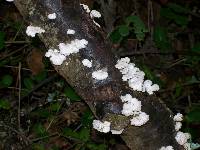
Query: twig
point(40, 85)
point(182, 85)
point(19, 98)
point(44, 137)
point(177, 62)
point(15, 88)
point(17, 42)
point(143, 52)
point(27, 141)
point(53, 119)
point(17, 67)
point(18, 31)
point(13, 52)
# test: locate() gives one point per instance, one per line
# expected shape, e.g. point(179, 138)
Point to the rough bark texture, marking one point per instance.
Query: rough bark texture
point(103, 97)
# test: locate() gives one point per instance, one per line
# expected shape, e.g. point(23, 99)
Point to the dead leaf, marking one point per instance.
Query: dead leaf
point(34, 61)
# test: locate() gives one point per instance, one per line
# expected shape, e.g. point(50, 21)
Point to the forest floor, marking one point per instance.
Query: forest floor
point(39, 110)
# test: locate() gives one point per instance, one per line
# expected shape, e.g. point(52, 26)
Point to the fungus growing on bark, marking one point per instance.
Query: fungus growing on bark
point(72, 47)
point(131, 105)
point(70, 31)
point(87, 63)
point(55, 57)
point(178, 117)
point(166, 148)
point(182, 138)
point(99, 75)
point(58, 56)
point(52, 16)
point(32, 30)
point(139, 119)
point(95, 14)
point(135, 76)
point(101, 126)
point(117, 131)
point(86, 8)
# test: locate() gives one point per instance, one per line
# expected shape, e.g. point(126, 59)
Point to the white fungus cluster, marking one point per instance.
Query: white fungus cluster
point(178, 126)
point(52, 16)
point(166, 148)
point(132, 106)
point(105, 127)
point(32, 30)
point(93, 14)
point(87, 63)
point(87, 9)
point(55, 56)
point(135, 76)
point(58, 56)
point(187, 146)
point(139, 119)
point(101, 126)
point(182, 138)
point(178, 118)
point(117, 131)
point(100, 74)
point(73, 47)
point(70, 31)
point(9, 0)
point(149, 87)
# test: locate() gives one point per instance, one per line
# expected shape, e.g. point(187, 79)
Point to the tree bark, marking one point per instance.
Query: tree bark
point(103, 97)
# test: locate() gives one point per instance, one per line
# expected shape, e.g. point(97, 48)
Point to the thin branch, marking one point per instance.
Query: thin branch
point(19, 97)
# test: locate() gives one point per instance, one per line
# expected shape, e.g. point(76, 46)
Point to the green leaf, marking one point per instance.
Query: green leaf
point(38, 147)
point(192, 80)
point(4, 62)
point(6, 80)
point(138, 26)
point(4, 104)
point(2, 40)
point(115, 36)
point(93, 146)
point(28, 82)
point(167, 13)
point(131, 19)
point(178, 8)
point(40, 130)
point(123, 30)
point(41, 113)
point(84, 134)
point(178, 90)
point(68, 132)
point(196, 48)
point(55, 107)
point(194, 115)
point(40, 77)
point(70, 93)
point(87, 118)
point(178, 19)
point(161, 39)
point(181, 20)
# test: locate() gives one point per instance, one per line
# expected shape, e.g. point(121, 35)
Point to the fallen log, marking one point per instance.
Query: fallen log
point(102, 93)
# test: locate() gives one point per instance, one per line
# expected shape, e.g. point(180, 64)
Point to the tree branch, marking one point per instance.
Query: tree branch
point(103, 97)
